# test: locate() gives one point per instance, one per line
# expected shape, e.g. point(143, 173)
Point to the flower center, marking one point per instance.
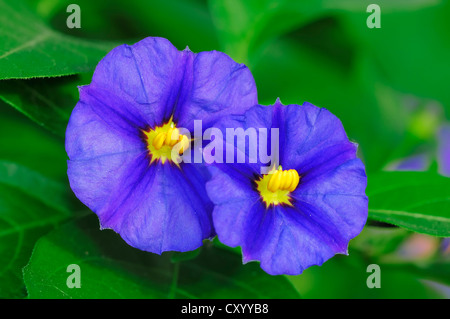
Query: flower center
point(276, 186)
point(166, 143)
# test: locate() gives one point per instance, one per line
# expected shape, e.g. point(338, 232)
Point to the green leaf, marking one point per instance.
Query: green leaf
point(30, 205)
point(418, 201)
point(236, 250)
point(385, 5)
point(48, 102)
point(245, 26)
point(31, 49)
point(378, 241)
point(177, 256)
point(438, 272)
point(35, 185)
point(395, 50)
point(24, 142)
point(345, 277)
point(182, 22)
point(109, 268)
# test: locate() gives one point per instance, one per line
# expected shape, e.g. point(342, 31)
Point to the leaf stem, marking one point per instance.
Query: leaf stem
point(173, 286)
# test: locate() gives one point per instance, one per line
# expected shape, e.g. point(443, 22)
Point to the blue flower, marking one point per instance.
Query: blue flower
point(422, 161)
point(122, 132)
point(307, 207)
point(444, 150)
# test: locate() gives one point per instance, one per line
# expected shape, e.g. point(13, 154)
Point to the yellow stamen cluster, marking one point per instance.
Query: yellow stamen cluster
point(283, 180)
point(275, 188)
point(170, 138)
point(165, 143)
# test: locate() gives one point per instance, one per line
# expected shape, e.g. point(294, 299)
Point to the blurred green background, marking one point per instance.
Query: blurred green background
point(388, 85)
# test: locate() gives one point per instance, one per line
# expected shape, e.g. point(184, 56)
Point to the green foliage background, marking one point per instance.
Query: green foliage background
point(389, 86)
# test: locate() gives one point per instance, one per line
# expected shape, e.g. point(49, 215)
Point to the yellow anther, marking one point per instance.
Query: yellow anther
point(172, 136)
point(287, 179)
point(159, 140)
point(184, 143)
point(175, 137)
point(283, 180)
point(295, 180)
point(168, 138)
point(274, 182)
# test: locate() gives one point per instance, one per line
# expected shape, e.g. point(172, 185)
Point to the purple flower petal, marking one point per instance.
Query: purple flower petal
point(93, 180)
point(163, 81)
point(166, 210)
point(154, 208)
point(313, 139)
point(150, 73)
point(234, 205)
point(287, 240)
point(95, 129)
point(339, 199)
point(418, 162)
point(218, 87)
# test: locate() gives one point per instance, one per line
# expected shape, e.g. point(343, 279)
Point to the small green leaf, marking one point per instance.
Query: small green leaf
point(31, 49)
point(418, 201)
point(30, 205)
point(109, 268)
